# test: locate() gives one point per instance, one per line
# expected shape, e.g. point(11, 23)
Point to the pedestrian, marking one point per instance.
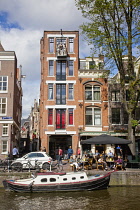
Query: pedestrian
point(44, 149)
point(119, 150)
point(78, 151)
point(60, 155)
point(15, 152)
point(70, 152)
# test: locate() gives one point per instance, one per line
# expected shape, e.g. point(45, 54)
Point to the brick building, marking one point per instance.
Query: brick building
point(10, 101)
point(73, 93)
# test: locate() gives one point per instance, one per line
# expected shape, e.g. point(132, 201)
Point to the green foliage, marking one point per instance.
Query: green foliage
point(114, 25)
point(134, 123)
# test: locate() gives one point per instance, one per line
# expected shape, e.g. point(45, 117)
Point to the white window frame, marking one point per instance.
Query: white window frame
point(3, 114)
point(94, 116)
point(51, 68)
point(5, 129)
point(71, 87)
point(5, 151)
point(49, 92)
point(92, 90)
point(71, 45)
point(70, 109)
point(71, 61)
point(115, 95)
point(51, 45)
point(4, 91)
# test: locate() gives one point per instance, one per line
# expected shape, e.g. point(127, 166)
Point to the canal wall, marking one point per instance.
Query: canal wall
point(118, 178)
point(129, 177)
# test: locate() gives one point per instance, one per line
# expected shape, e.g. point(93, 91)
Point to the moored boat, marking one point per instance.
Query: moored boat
point(51, 182)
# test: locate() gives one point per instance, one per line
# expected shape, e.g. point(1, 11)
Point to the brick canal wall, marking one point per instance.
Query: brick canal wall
point(118, 178)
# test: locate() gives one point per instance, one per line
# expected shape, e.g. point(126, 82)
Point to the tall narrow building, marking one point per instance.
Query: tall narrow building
point(59, 90)
point(10, 102)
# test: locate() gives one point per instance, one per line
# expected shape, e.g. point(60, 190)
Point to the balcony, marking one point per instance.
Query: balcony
point(61, 50)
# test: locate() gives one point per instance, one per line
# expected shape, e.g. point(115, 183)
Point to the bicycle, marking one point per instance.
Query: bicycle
point(30, 166)
point(57, 167)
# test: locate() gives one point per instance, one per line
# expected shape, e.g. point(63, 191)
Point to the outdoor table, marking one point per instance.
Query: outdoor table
point(110, 163)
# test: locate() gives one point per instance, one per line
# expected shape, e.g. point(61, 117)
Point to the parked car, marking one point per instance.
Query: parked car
point(42, 159)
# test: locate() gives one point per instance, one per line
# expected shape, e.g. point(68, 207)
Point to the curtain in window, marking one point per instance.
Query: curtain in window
point(50, 116)
point(96, 93)
point(57, 119)
point(88, 116)
point(70, 116)
point(97, 117)
point(60, 119)
point(51, 68)
point(50, 94)
point(63, 119)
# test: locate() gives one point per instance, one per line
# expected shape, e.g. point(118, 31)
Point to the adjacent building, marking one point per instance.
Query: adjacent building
point(10, 101)
point(34, 127)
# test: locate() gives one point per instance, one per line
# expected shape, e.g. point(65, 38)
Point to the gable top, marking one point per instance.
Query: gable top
point(1, 47)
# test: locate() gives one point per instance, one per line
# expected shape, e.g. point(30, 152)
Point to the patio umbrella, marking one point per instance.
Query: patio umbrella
point(105, 139)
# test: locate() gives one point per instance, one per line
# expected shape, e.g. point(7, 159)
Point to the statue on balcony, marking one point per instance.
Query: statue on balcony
point(61, 49)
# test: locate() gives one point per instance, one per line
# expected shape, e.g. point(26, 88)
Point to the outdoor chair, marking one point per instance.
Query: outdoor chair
point(100, 166)
point(119, 167)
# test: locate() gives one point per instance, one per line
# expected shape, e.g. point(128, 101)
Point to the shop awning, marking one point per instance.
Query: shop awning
point(105, 139)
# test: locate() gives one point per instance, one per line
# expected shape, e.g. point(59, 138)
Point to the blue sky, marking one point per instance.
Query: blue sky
point(4, 22)
point(22, 24)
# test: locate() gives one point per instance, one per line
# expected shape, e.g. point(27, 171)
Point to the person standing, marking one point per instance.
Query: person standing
point(15, 152)
point(70, 152)
point(60, 154)
point(79, 151)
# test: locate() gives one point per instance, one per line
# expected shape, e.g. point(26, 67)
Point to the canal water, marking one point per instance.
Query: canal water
point(114, 198)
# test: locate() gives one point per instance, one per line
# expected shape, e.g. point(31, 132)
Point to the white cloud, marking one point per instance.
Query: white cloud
point(35, 16)
point(43, 13)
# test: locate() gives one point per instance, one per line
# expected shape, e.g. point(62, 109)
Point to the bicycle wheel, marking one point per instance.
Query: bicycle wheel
point(17, 166)
point(46, 166)
point(59, 168)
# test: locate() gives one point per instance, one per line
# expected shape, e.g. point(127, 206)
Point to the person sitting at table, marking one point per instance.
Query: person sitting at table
point(84, 157)
point(110, 154)
point(73, 163)
point(79, 162)
point(103, 156)
point(120, 162)
point(101, 161)
point(90, 154)
point(97, 155)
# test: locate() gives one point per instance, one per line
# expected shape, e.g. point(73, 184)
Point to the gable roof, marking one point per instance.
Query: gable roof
point(1, 47)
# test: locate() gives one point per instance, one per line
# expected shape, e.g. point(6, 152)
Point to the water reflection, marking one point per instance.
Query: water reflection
point(111, 199)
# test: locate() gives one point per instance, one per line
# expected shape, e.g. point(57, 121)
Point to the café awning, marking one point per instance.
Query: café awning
point(105, 139)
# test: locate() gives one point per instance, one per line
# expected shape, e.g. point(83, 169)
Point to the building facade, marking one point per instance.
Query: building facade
point(34, 127)
point(73, 93)
point(10, 102)
point(118, 117)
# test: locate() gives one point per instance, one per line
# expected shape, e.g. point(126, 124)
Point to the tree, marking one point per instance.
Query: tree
point(114, 25)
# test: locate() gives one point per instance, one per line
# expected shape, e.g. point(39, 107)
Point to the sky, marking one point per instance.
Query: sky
point(22, 23)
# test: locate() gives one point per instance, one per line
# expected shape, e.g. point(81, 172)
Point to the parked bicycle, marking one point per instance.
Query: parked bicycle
point(16, 166)
point(28, 165)
point(57, 167)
